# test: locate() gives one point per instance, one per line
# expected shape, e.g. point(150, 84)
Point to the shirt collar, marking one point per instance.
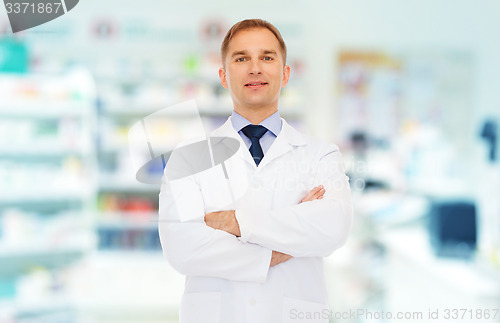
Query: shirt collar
point(272, 123)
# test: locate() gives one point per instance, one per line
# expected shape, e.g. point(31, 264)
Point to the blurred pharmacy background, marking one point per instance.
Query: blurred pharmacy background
point(409, 90)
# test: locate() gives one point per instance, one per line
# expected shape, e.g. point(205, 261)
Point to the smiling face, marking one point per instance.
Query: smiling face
point(254, 72)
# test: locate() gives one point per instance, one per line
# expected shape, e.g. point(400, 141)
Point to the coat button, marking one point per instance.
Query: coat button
point(252, 301)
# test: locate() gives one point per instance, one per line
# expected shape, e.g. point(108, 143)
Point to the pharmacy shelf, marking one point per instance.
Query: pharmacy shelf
point(125, 183)
point(128, 220)
point(48, 168)
point(38, 307)
point(130, 187)
point(43, 196)
point(36, 110)
point(128, 225)
point(18, 260)
point(138, 111)
point(43, 151)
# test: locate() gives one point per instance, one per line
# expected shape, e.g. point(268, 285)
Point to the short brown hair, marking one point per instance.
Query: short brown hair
point(251, 24)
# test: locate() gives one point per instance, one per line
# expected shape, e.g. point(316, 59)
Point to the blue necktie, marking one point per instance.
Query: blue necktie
point(254, 133)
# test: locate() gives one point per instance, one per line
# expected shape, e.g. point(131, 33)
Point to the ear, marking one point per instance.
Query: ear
point(222, 77)
point(286, 75)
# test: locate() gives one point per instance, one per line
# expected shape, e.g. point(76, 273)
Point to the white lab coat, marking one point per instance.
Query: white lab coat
point(228, 279)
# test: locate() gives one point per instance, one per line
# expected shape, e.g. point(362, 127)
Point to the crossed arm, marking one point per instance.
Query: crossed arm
point(226, 221)
point(242, 244)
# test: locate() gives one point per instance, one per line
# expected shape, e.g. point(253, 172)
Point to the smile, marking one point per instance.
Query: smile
point(255, 84)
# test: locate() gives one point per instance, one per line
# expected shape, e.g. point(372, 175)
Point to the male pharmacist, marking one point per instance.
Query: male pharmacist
point(250, 234)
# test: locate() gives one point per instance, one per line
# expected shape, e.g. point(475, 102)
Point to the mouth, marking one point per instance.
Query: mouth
point(256, 85)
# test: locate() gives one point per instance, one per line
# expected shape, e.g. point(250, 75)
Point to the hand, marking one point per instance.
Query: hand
point(279, 257)
point(223, 220)
point(314, 194)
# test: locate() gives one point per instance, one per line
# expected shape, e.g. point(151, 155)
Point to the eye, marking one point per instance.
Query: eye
point(268, 58)
point(240, 59)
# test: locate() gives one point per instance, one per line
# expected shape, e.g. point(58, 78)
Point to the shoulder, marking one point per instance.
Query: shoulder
point(313, 144)
point(320, 147)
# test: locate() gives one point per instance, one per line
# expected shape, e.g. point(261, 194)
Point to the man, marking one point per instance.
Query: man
point(250, 234)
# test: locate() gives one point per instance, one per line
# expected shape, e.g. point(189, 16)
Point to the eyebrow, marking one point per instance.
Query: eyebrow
point(244, 52)
point(240, 52)
point(267, 52)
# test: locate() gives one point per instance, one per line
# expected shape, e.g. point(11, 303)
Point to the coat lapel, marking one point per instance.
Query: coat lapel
point(284, 142)
point(227, 130)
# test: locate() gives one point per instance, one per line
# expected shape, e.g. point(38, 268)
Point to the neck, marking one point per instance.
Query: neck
point(256, 116)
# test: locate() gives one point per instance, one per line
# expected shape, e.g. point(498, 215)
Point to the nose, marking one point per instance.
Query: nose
point(254, 67)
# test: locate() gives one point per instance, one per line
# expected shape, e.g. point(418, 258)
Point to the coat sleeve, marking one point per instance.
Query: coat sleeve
point(195, 249)
point(310, 229)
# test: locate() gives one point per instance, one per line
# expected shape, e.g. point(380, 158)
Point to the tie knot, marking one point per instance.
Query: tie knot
point(254, 131)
